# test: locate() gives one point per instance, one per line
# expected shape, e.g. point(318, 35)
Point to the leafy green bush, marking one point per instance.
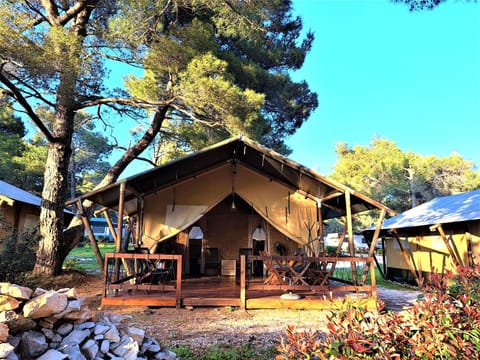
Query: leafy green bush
point(17, 252)
point(443, 324)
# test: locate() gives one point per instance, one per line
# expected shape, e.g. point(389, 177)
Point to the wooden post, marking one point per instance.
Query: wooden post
point(373, 279)
point(320, 234)
point(456, 261)
point(110, 225)
point(410, 265)
point(351, 243)
point(91, 237)
point(468, 238)
point(371, 251)
point(178, 292)
point(121, 203)
point(243, 273)
point(132, 230)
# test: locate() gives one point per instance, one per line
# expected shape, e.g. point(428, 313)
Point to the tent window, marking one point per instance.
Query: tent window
point(259, 234)
point(195, 233)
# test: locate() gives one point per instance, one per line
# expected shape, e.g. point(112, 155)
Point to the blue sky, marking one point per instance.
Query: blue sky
point(383, 71)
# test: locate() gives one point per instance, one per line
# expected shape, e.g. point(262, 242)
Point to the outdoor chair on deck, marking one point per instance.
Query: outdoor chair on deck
point(212, 261)
point(276, 272)
point(320, 273)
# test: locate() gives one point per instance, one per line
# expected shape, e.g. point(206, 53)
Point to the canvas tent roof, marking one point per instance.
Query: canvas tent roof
point(14, 193)
point(240, 150)
point(179, 193)
point(442, 210)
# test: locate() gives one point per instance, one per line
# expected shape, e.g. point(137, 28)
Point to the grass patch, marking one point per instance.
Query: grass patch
point(83, 258)
point(227, 352)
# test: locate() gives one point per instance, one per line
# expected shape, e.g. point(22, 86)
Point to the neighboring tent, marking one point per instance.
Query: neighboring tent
point(20, 210)
point(288, 201)
point(433, 237)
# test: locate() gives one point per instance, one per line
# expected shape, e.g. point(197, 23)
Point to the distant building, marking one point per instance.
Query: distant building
point(359, 241)
point(433, 237)
point(19, 223)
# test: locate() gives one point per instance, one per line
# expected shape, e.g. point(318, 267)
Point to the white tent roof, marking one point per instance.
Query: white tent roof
point(17, 194)
point(442, 210)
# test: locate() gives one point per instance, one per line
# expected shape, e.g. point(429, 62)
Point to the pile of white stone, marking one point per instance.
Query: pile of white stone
point(51, 325)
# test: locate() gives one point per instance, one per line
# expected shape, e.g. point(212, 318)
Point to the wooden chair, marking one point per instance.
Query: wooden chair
point(276, 273)
point(319, 275)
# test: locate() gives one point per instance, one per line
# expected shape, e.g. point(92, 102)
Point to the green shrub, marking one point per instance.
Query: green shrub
point(443, 324)
point(17, 253)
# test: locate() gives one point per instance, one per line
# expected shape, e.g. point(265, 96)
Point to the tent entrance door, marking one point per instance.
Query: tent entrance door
point(195, 251)
point(258, 245)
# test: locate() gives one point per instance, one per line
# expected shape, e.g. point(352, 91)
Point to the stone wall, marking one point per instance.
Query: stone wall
point(55, 324)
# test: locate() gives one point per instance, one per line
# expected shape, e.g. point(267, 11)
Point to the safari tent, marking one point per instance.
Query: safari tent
point(19, 219)
point(19, 209)
point(236, 197)
point(434, 237)
point(19, 224)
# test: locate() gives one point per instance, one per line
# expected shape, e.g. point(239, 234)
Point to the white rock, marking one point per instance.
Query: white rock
point(5, 349)
point(100, 328)
point(75, 337)
point(8, 303)
point(53, 355)
point(45, 305)
point(112, 334)
point(38, 292)
point(82, 315)
point(85, 325)
point(12, 356)
point(65, 329)
point(137, 334)
point(7, 316)
point(73, 351)
point(72, 305)
point(90, 349)
point(33, 344)
point(166, 355)
point(127, 348)
point(16, 291)
point(105, 346)
point(71, 293)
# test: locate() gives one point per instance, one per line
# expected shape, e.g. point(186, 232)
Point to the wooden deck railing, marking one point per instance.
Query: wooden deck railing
point(161, 274)
point(148, 272)
point(313, 273)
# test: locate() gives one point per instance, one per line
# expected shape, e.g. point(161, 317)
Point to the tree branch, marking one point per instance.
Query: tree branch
point(122, 101)
point(16, 94)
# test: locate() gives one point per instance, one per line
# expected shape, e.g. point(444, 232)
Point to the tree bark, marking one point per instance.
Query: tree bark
point(52, 212)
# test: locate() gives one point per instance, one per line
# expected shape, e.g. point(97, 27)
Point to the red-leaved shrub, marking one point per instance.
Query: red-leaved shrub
point(443, 324)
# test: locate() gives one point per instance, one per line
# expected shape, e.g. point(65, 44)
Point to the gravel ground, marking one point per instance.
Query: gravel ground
point(200, 328)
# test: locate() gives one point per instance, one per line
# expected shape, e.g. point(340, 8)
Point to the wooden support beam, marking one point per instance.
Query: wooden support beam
point(178, 293)
point(132, 229)
point(408, 260)
point(243, 273)
point(456, 260)
point(121, 204)
point(373, 280)
point(107, 217)
point(320, 235)
point(371, 251)
point(351, 244)
point(91, 237)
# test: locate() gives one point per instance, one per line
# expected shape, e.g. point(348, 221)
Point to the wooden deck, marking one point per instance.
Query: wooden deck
point(240, 291)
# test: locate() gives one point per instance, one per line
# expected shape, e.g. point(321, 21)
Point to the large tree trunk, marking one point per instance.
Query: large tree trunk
point(52, 213)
